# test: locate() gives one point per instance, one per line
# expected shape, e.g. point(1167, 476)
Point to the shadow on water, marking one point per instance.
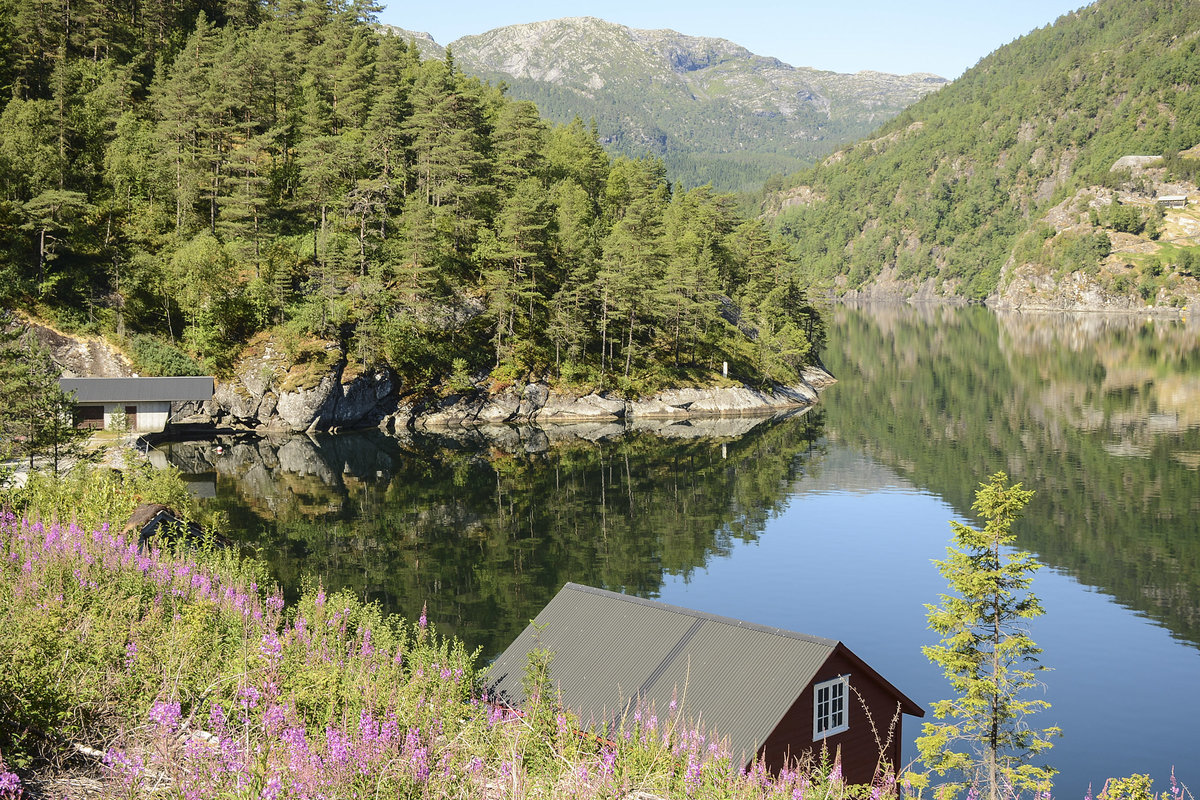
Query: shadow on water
point(1099, 414)
point(485, 525)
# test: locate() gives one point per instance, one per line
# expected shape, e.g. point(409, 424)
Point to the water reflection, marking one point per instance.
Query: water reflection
point(1099, 414)
point(485, 525)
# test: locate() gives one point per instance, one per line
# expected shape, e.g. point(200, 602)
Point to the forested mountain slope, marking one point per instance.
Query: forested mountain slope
point(183, 178)
point(711, 109)
point(1013, 161)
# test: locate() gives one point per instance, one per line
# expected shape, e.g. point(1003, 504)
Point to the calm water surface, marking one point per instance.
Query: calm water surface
point(826, 523)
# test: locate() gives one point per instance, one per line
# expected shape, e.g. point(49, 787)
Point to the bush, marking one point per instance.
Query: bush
point(153, 356)
point(112, 495)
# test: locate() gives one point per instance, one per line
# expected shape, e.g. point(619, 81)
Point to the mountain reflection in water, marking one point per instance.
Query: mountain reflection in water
point(1099, 414)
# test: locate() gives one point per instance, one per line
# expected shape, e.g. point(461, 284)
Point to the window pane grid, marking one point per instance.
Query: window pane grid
point(829, 707)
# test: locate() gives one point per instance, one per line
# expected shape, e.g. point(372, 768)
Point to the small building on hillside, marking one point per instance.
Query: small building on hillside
point(764, 692)
point(1172, 200)
point(146, 402)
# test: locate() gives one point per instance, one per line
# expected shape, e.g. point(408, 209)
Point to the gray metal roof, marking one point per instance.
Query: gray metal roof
point(736, 678)
point(128, 390)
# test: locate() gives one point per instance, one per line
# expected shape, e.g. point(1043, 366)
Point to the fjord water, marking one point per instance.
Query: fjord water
point(826, 522)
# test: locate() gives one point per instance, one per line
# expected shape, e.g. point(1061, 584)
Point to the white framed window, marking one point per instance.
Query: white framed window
point(829, 707)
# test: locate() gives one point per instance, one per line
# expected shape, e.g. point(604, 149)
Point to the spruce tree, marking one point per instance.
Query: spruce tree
point(983, 734)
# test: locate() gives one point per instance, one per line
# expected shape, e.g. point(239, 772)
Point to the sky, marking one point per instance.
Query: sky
point(945, 37)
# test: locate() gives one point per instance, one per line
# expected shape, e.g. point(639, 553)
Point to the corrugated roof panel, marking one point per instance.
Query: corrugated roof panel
point(740, 680)
point(737, 678)
point(603, 650)
point(117, 390)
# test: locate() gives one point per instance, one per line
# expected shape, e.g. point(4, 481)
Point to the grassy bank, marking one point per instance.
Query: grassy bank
point(179, 673)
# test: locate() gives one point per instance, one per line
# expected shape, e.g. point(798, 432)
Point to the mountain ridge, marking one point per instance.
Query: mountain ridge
point(1005, 186)
point(709, 107)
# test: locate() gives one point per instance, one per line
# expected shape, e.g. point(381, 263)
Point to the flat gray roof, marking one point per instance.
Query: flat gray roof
point(122, 390)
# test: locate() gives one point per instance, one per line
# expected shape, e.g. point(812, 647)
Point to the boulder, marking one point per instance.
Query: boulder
point(590, 407)
point(299, 408)
point(359, 401)
point(498, 409)
point(533, 399)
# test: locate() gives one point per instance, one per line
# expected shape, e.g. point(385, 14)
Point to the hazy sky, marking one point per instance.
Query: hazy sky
point(941, 36)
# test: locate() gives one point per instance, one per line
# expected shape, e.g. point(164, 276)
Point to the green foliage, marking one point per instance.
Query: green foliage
point(1083, 252)
point(240, 173)
point(112, 494)
point(37, 418)
point(154, 356)
point(949, 188)
point(986, 654)
point(1136, 220)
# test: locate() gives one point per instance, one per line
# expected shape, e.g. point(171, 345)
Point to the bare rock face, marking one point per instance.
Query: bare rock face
point(536, 405)
point(590, 408)
point(300, 409)
point(268, 391)
point(82, 357)
point(360, 401)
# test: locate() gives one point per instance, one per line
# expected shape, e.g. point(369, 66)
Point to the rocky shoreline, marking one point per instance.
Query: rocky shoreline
point(255, 399)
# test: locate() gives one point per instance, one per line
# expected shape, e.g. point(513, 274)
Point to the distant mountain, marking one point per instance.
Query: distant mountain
point(712, 110)
point(1012, 182)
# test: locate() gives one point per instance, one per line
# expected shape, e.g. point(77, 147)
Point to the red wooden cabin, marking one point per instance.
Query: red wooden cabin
point(767, 693)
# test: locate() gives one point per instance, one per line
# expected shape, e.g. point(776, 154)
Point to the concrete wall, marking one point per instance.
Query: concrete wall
point(151, 414)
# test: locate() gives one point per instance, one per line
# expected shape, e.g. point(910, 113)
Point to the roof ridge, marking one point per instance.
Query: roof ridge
point(691, 612)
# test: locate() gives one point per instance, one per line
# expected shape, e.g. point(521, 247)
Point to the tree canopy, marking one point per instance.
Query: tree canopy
point(202, 175)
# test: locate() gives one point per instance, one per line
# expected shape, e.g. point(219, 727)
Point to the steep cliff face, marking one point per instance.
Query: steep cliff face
point(703, 104)
point(271, 391)
point(81, 356)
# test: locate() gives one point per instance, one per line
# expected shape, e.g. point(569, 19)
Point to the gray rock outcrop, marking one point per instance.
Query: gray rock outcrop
point(537, 405)
point(269, 392)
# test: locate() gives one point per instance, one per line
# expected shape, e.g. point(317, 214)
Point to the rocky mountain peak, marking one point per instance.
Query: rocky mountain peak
point(713, 110)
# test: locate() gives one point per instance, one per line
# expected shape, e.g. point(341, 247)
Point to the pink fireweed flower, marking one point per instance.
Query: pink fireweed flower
point(368, 728)
point(270, 647)
point(249, 696)
point(274, 717)
point(608, 760)
point(338, 745)
point(691, 779)
point(366, 651)
point(273, 788)
point(419, 759)
point(10, 784)
point(128, 767)
point(423, 621)
point(166, 714)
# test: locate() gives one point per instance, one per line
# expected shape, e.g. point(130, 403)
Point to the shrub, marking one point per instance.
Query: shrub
point(154, 356)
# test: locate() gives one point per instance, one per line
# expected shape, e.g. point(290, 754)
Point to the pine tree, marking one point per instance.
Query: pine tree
point(988, 657)
point(37, 416)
